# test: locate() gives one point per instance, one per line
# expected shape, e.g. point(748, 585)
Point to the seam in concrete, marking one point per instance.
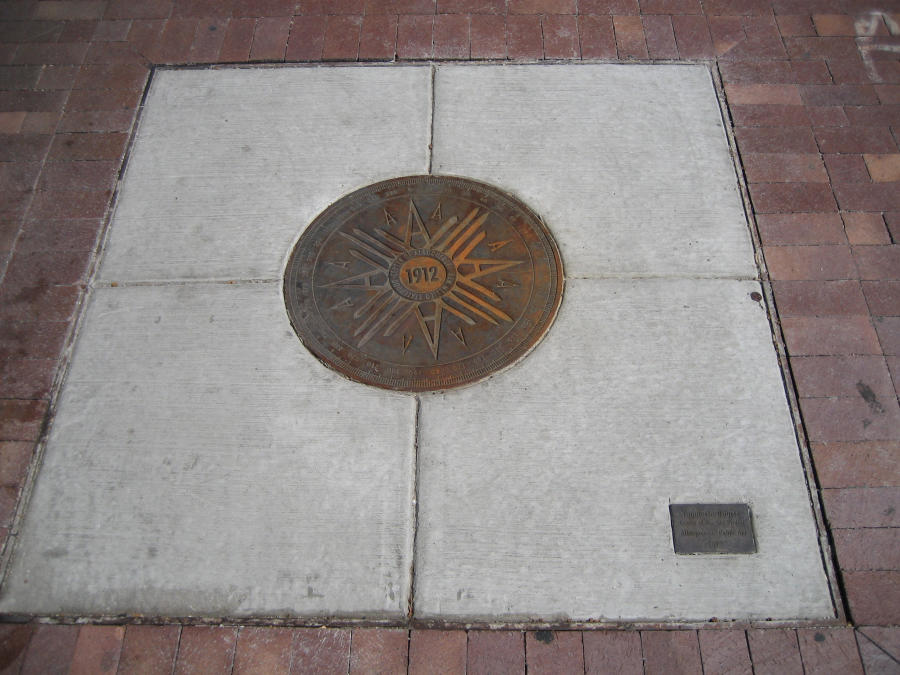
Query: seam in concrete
point(431, 117)
point(411, 602)
point(625, 276)
point(185, 282)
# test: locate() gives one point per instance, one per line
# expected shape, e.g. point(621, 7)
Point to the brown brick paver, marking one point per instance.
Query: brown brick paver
point(775, 652)
point(724, 651)
point(149, 650)
point(270, 38)
point(487, 36)
point(612, 652)
point(876, 660)
point(668, 651)
point(866, 229)
point(524, 39)
point(379, 651)
point(451, 36)
point(816, 127)
point(868, 548)
point(437, 652)
point(554, 652)
point(378, 37)
point(887, 639)
point(831, 650)
point(660, 37)
point(206, 650)
point(208, 40)
point(862, 507)
point(320, 650)
point(560, 33)
point(414, 36)
point(14, 641)
point(874, 596)
point(598, 39)
point(630, 40)
point(238, 39)
point(50, 650)
point(342, 38)
point(495, 653)
point(263, 650)
point(97, 650)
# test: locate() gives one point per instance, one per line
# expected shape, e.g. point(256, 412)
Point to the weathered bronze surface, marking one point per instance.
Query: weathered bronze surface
point(712, 528)
point(423, 283)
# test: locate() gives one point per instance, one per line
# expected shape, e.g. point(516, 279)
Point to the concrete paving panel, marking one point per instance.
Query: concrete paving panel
point(628, 165)
point(202, 462)
point(230, 165)
point(545, 491)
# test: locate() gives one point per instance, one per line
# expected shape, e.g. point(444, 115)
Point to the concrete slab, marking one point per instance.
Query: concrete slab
point(544, 492)
point(230, 165)
point(203, 463)
point(629, 166)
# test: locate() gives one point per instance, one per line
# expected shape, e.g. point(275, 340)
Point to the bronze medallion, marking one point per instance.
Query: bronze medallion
point(423, 283)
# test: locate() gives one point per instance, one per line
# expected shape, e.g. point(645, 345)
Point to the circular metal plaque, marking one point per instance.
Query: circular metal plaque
point(423, 283)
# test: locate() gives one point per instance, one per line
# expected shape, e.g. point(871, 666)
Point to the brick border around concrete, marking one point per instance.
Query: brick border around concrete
point(813, 95)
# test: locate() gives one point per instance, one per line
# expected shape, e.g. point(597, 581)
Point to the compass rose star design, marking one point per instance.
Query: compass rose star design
point(422, 274)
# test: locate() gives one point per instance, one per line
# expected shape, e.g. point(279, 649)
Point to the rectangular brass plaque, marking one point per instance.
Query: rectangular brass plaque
point(712, 528)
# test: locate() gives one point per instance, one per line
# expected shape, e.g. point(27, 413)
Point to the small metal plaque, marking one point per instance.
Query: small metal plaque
point(712, 528)
point(423, 283)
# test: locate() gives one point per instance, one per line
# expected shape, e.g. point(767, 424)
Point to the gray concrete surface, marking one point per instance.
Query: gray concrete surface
point(629, 166)
point(202, 462)
point(230, 165)
point(545, 492)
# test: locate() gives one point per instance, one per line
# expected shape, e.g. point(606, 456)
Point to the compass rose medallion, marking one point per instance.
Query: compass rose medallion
point(423, 283)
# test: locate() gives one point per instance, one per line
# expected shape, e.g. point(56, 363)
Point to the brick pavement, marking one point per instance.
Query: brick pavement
point(813, 92)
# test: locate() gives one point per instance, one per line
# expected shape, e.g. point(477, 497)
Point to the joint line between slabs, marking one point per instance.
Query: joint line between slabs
point(411, 604)
point(431, 117)
point(185, 282)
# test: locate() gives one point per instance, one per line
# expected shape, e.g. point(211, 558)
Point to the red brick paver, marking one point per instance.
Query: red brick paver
point(495, 652)
point(14, 641)
point(613, 652)
point(50, 650)
point(724, 651)
point(554, 652)
point(206, 649)
point(321, 650)
point(669, 651)
point(829, 651)
point(263, 650)
point(384, 651)
point(149, 650)
point(775, 652)
point(813, 95)
point(98, 650)
point(437, 652)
